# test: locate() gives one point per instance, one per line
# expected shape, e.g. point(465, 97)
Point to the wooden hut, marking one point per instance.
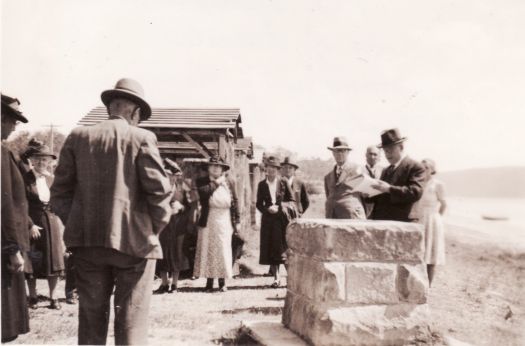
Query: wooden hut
point(190, 136)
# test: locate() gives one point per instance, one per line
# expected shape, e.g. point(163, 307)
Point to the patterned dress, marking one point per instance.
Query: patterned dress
point(427, 211)
point(214, 253)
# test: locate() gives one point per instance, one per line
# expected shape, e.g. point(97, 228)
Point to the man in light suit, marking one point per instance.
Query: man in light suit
point(341, 202)
point(302, 201)
point(401, 183)
point(373, 170)
point(112, 193)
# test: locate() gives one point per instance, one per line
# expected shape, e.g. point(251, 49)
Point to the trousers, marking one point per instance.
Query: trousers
point(99, 271)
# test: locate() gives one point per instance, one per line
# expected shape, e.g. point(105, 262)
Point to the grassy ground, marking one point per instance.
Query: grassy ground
point(478, 297)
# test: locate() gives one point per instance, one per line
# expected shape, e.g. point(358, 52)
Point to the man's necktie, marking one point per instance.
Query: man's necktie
point(338, 171)
point(370, 172)
point(389, 171)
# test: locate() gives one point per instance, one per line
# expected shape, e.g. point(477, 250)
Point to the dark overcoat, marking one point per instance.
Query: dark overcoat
point(47, 252)
point(15, 237)
point(302, 200)
point(172, 237)
point(407, 181)
point(273, 226)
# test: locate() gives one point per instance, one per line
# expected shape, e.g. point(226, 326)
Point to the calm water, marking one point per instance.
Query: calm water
point(467, 213)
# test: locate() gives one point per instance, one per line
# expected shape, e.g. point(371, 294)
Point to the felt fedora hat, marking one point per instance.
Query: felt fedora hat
point(129, 89)
point(289, 161)
point(38, 148)
point(11, 106)
point(391, 137)
point(217, 161)
point(340, 143)
point(272, 161)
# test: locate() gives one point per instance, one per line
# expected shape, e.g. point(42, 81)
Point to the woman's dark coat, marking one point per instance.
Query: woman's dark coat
point(47, 252)
point(273, 226)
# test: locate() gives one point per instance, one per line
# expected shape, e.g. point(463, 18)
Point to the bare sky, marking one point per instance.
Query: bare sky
point(450, 75)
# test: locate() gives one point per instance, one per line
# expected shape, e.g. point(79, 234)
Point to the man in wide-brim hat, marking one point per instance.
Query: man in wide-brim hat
point(401, 183)
point(341, 201)
point(298, 187)
point(131, 90)
point(15, 231)
point(114, 171)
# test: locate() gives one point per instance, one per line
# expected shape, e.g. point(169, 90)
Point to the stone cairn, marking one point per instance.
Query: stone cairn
point(353, 282)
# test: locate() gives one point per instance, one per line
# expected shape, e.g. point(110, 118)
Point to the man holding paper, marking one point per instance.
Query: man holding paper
point(342, 201)
point(401, 184)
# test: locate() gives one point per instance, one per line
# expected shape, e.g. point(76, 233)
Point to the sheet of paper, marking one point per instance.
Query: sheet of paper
point(363, 183)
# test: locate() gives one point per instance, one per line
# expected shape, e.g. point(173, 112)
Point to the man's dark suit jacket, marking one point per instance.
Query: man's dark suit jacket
point(406, 182)
point(302, 200)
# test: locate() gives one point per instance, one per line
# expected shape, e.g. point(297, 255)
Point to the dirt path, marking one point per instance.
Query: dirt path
point(187, 317)
point(478, 297)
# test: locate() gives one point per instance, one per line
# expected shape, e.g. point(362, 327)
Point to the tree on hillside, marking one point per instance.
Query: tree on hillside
point(18, 141)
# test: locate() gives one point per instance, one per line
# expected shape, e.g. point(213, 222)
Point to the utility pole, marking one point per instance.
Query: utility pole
point(52, 136)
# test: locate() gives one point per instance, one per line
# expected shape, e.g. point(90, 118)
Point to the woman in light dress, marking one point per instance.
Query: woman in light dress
point(429, 211)
point(218, 220)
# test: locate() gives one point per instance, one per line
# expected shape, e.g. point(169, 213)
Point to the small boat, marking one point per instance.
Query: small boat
point(494, 217)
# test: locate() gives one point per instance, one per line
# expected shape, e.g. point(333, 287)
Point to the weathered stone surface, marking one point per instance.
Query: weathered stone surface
point(412, 283)
point(301, 314)
point(376, 325)
point(356, 282)
point(271, 333)
point(320, 281)
point(371, 283)
point(398, 324)
point(357, 240)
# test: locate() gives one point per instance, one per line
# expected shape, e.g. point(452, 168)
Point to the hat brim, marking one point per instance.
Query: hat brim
point(173, 166)
point(290, 164)
point(272, 165)
point(390, 144)
point(14, 113)
point(224, 166)
point(44, 154)
point(339, 147)
point(108, 95)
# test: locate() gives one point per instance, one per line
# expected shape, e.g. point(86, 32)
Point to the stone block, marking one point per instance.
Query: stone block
point(398, 324)
point(357, 240)
point(300, 314)
point(320, 281)
point(412, 283)
point(371, 283)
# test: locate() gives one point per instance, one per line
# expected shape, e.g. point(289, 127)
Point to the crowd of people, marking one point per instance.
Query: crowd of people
point(115, 212)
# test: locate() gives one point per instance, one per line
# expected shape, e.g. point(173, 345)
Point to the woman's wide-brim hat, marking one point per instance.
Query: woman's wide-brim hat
point(172, 166)
point(217, 161)
point(272, 161)
point(340, 143)
point(38, 148)
point(129, 89)
point(11, 106)
point(391, 137)
point(290, 162)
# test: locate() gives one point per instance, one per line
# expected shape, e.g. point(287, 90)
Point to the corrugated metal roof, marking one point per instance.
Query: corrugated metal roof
point(178, 118)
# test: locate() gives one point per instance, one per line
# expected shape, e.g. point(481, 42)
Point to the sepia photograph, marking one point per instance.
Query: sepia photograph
point(262, 172)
